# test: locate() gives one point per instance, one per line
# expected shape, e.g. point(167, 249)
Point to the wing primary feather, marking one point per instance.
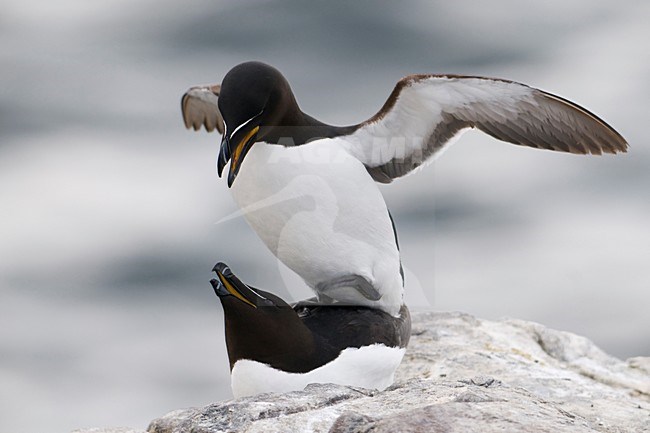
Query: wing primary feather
point(428, 110)
point(199, 108)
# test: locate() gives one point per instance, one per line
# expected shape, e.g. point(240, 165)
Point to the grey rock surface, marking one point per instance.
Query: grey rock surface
point(460, 374)
point(109, 430)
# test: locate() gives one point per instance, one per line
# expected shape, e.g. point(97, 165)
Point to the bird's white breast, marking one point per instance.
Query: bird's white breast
point(371, 367)
point(317, 209)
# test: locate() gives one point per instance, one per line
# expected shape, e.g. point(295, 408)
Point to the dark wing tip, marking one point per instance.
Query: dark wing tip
point(186, 119)
point(599, 136)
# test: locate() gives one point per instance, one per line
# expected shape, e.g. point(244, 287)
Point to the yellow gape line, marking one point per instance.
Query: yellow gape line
point(234, 291)
point(241, 144)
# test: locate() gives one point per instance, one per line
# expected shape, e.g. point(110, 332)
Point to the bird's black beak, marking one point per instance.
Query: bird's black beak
point(235, 146)
point(244, 140)
point(224, 154)
point(227, 284)
point(219, 288)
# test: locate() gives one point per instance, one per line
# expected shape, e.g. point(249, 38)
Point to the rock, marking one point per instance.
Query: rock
point(109, 430)
point(459, 374)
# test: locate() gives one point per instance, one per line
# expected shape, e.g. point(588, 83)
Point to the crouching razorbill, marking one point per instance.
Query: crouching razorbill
point(273, 347)
point(308, 189)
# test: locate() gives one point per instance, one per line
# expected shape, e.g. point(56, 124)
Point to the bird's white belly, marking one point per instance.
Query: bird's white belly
point(371, 367)
point(317, 209)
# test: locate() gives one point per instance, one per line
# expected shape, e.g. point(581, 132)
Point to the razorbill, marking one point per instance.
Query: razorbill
point(273, 347)
point(308, 189)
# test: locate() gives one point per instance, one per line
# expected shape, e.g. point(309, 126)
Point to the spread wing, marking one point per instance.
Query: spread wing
point(424, 112)
point(199, 107)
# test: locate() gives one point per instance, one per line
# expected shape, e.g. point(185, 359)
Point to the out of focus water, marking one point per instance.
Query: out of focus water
point(109, 206)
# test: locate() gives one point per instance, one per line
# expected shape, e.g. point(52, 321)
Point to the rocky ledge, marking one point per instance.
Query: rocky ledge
point(460, 374)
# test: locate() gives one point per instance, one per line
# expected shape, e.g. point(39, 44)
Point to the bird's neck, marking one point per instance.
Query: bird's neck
point(296, 128)
point(282, 342)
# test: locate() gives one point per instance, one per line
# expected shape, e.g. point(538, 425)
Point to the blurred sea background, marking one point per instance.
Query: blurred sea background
point(109, 207)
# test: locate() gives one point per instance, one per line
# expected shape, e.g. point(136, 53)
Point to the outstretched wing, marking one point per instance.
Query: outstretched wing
point(199, 107)
point(424, 112)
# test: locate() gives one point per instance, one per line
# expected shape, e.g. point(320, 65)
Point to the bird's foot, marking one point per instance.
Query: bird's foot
point(356, 282)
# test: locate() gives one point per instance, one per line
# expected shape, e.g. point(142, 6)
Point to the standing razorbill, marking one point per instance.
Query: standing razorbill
point(273, 347)
point(308, 189)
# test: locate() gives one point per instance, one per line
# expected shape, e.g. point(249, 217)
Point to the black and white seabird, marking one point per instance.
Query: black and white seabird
point(273, 347)
point(309, 189)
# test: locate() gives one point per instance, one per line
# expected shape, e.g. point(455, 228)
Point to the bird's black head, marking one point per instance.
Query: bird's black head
point(254, 96)
point(260, 326)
